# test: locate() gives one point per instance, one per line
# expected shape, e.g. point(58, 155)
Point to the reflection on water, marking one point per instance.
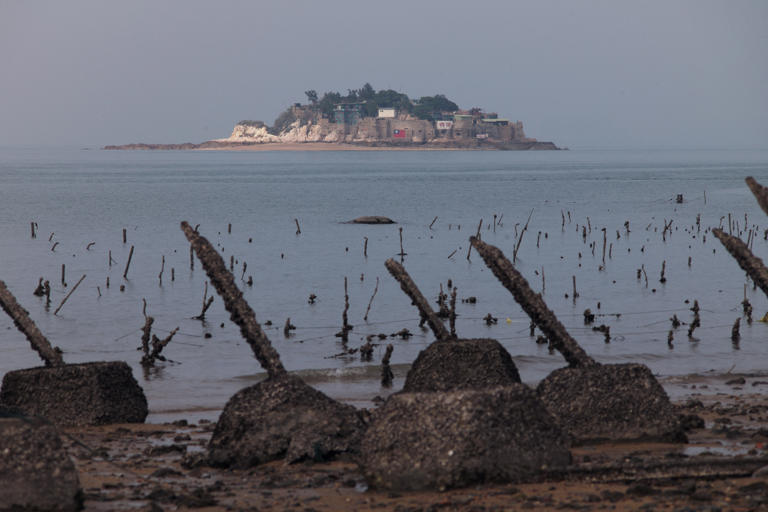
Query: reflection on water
point(82, 200)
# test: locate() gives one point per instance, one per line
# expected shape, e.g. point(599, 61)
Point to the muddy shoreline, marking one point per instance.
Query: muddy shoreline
point(155, 466)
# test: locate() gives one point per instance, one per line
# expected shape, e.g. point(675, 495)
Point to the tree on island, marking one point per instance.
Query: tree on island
point(311, 96)
point(428, 105)
point(370, 102)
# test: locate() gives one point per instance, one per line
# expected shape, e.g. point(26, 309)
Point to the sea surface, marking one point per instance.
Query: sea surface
point(82, 200)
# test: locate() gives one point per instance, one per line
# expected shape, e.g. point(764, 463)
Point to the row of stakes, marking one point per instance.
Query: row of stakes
point(153, 354)
point(523, 433)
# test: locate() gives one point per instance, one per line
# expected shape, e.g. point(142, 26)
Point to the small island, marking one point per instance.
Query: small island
point(368, 119)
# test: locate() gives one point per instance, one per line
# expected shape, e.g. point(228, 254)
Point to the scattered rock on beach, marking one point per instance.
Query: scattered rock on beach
point(35, 470)
point(610, 402)
point(97, 393)
point(283, 418)
point(419, 441)
point(372, 219)
point(461, 364)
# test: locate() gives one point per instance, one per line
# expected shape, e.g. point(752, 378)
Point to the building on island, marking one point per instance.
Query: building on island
point(347, 113)
point(387, 113)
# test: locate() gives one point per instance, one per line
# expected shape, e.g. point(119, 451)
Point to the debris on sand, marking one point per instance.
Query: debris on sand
point(420, 441)
point(36, 472)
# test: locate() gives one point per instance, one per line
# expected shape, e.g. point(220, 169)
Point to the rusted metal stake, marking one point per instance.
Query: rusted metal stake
point(240, 312)
point(49, 354)
point(750, 263)
point(533, 305)
point(410, 289)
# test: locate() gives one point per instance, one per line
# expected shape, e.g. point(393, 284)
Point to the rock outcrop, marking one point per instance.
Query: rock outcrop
point(612, 402)
point(251, 133)
point(283, 418)
point(372, 219)
point(404, 131)
point(35, 471)
point(461, 364)
point(95, 393)
point(422, 441)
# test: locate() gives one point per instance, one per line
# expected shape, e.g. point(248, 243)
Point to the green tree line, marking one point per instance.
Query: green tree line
point(373, 100)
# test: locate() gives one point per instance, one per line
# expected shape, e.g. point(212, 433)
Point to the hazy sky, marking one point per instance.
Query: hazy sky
point(580, 73)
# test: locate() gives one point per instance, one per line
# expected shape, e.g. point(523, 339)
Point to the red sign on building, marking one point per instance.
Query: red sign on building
point(399, 134)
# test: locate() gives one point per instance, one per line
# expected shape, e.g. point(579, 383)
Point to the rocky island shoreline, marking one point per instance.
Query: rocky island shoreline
point(366, 119)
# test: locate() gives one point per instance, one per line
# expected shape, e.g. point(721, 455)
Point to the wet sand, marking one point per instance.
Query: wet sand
point(153, 467)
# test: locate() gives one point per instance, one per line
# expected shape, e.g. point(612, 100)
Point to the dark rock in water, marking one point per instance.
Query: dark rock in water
point(35, 471)
point(420, 441)
point(96, 393)
point(283, 418)
point(372, 219)
point(461, 364)
point(611, 402)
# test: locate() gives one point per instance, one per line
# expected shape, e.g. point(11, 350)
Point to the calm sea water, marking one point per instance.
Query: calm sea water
point(79, 197)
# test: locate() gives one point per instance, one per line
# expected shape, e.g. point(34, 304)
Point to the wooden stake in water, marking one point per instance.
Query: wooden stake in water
point(520, 239)
point(128, 263)
point(368, 309)
point(345, 327)
point(469, 249)
point(605, 241)
point(452, 314)
point(402, 252)
point(206, 303)
point(68, 295)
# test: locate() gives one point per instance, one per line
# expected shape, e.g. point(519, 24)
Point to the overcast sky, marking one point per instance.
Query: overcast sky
point(579, 73)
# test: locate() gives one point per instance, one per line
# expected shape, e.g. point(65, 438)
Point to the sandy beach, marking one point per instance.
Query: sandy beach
point(156, 466)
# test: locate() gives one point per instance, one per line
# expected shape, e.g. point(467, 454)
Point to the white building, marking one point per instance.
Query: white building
point(387, 113)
